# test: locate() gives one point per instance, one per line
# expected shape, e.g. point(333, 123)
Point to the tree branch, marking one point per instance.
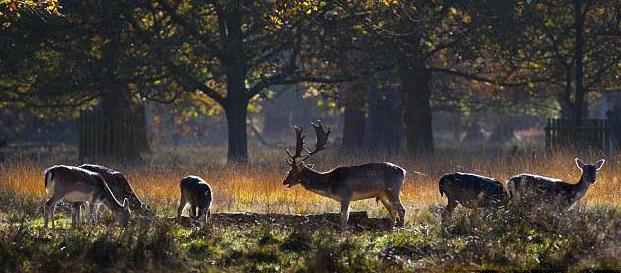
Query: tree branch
point(194, 30)
point(188, 82)
point(472, 76)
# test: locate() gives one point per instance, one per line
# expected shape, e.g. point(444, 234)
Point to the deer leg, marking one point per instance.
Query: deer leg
point(73, 218)
point(75, 214)
point(452, 204)
point(181, 206)
point(48, 211)
point(391, 211)
point(401, 211)
point(192, 211)
point(92, 212)
point(476, 214)
point(79, 214)
point(203, 214)
point(344, 212)
point(395, 201)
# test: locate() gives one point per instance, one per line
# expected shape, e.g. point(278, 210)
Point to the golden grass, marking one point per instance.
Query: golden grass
point(258, 187)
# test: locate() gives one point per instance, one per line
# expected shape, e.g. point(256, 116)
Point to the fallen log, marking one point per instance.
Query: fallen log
point(357, 219)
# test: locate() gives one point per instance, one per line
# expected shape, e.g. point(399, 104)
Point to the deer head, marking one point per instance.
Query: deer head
point(297, 159)
point(122, 215)
point(589, 172)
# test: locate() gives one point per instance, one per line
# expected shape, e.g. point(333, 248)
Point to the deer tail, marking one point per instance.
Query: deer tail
point(512, 187)
point(47, 180)
point(442, 184)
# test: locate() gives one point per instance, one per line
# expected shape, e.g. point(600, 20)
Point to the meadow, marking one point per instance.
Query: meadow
point(506, 239)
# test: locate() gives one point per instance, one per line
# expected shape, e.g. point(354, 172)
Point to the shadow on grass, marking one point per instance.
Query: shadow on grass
point(358, 220)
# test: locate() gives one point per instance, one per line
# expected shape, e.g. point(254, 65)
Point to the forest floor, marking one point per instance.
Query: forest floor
point(257, 224)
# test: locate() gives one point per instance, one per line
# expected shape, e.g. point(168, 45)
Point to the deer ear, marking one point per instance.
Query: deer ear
point(310, 166)
point(125, 203)
point(600, 164)
point(579, 163)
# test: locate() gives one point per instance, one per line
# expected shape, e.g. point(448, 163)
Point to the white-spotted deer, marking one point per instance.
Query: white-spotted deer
point(540, 190)
point(196, 192)
point(382, 181)
point(120, 187)
point(471, 191)
point(77, 185)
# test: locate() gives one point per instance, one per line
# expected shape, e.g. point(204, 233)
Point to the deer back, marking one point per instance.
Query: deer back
point(118, 184)
point(541, 189)
point(472, 190)
point(196, 190)
point(360, 181)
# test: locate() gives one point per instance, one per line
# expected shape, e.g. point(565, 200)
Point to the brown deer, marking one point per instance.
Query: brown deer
point(381, 181)
point(541, 190)
point(471, 191)
point(120, 187)
point(77, 185)
point(196, 192)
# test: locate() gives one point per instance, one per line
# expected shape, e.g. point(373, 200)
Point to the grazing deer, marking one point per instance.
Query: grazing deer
point(120, 187)
point(77, 185)
point(196, 192)
point(549, 191)
point(381, 181)
point(471, 191)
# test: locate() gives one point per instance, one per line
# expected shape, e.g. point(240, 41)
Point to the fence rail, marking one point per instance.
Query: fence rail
point(593, 134)
point(113, 135)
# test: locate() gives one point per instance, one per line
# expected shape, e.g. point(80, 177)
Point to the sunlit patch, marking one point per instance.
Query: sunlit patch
point(259, 188)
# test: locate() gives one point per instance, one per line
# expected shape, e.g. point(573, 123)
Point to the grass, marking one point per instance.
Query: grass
point(507, 239)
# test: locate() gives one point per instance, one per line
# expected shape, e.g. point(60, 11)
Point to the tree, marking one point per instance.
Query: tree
point(76, 63)
point(11, 10)
point(228, 51)
point(563, 50)
point(408, 36)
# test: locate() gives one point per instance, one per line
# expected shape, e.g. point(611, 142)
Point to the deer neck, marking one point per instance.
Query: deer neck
point(109, 200)
point(314, 181)
point(582, 186)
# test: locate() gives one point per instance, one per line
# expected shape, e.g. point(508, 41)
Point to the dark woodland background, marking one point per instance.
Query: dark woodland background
point(116, 79)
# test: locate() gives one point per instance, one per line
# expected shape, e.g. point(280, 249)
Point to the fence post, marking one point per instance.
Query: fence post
point(103, 136)
point(564, 133)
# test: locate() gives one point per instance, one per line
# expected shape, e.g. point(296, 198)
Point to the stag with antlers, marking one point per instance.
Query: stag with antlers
point(381, 181)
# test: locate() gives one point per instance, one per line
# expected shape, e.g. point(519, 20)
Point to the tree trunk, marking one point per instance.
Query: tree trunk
point(143, 134)
point(568, 110)
point(581, 111)
point(277, 114)
point(503, 132)
point(354, 118)
point(417, 110)
point(236, 111)
point(383, 122)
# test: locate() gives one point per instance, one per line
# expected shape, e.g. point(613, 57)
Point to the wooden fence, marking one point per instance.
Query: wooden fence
point(593, 134)
point(114, 135)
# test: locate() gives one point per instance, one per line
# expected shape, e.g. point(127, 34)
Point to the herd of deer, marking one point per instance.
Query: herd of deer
point(95, 185)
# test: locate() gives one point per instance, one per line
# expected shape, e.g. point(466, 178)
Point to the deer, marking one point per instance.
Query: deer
point(196, 192)
point(382, 181)
point(120, 187)
point(77, 185)
point(471, 191)
point(563, 195)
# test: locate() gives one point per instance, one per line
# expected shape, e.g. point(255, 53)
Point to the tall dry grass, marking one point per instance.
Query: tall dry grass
point(258, 186)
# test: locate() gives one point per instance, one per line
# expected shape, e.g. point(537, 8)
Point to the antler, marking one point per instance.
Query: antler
point(322, 138)
point(299, 146)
